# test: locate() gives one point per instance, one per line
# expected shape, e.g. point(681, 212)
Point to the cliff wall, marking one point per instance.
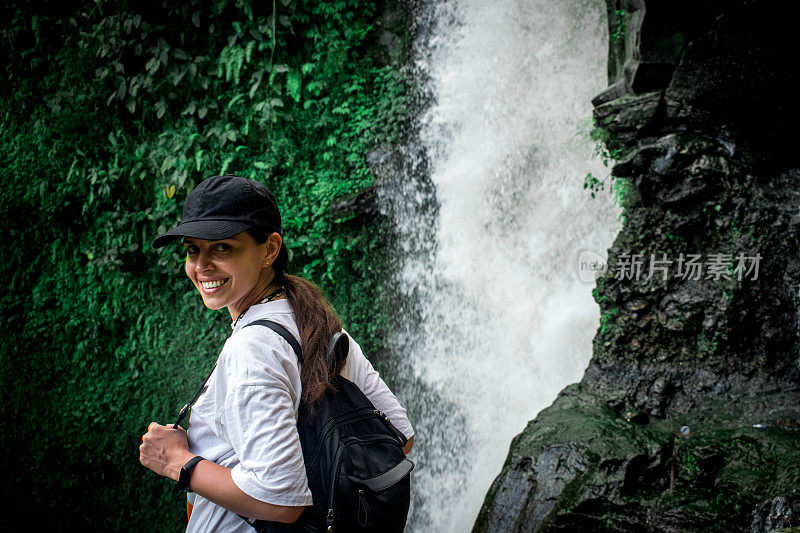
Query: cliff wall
point(688, 415)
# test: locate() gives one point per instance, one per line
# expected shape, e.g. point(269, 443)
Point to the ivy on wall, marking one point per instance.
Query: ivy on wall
point(111, 113)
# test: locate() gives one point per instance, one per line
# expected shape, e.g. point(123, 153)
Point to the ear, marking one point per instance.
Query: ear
point(274, 243)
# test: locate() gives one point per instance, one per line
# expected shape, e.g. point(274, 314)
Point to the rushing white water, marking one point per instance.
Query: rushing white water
point(499, 320)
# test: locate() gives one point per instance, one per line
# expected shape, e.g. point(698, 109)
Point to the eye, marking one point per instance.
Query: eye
point(191, 249)
point(222, 247)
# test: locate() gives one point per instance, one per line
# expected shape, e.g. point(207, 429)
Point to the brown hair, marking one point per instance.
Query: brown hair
point(317, 322)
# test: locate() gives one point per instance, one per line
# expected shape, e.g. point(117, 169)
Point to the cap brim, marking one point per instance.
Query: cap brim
point(211, 230)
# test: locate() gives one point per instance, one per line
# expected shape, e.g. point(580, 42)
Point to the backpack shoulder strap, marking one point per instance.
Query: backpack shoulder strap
point(283, 332)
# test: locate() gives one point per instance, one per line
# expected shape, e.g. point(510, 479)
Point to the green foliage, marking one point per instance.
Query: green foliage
point(606, 148)
point(706, 346)
point(111, 113)
point(593, 184)
point(617, 34)
point(605, 318)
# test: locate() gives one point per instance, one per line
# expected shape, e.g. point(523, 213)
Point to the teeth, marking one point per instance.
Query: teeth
point(211, 284)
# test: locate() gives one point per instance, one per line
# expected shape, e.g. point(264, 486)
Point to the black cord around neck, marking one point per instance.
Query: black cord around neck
point(268, 298)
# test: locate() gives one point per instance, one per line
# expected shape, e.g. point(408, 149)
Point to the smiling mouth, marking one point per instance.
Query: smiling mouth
point(213, 286)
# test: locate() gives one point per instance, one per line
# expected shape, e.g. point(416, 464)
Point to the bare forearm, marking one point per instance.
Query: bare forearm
point(165, 450)
point(214, 482)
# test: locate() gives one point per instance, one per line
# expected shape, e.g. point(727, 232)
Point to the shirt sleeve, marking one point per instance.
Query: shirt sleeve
point(361, 372)
point(260, 421)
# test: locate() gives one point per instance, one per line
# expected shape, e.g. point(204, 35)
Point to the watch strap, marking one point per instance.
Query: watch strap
point(186, 473)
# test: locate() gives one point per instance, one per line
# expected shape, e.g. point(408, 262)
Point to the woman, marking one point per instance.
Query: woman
point(241, 454)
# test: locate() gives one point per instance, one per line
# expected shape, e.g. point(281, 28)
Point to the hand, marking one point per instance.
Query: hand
point(164, 450)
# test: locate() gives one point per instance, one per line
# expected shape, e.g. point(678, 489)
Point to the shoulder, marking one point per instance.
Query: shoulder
point(355, 356)
point(253, 351)
point(357, 367)
point(354, 347)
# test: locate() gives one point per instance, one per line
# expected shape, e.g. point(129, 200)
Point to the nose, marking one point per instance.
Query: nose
point(203, 262)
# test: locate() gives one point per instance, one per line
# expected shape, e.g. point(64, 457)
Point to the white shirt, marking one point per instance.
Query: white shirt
point(246, 417)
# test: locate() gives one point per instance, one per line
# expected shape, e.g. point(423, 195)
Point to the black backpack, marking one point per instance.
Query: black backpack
point(357, 472)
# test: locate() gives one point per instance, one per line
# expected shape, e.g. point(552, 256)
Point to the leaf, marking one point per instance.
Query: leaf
point(181, 54)
point(294, 81)
point(234, 100)
point(168, 162)
point(178, 75)
point(152, 66)
point(228, 161)
point(196, 19)
point(254, 88)
point(170, 191)
point(202, 112)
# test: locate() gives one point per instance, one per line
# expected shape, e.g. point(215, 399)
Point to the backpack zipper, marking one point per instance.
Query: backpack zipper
point(399, 434)
point(362, 412)
point(337, 462)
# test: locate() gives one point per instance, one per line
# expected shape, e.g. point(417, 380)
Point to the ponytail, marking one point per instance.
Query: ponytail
point(317, 322)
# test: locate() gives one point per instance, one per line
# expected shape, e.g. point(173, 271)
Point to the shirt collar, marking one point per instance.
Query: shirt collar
point(259, 311)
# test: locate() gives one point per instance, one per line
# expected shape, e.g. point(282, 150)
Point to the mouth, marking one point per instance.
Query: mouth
point(210, 287)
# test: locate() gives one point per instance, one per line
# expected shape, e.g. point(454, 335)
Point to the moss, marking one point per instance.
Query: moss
point(722, 469)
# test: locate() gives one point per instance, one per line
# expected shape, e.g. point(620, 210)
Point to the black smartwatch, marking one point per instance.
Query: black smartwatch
point(186, 473)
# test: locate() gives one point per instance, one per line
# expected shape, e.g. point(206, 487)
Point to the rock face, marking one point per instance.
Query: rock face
point(688, 416)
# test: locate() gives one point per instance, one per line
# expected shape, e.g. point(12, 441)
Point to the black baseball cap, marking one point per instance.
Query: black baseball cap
point(223, 206)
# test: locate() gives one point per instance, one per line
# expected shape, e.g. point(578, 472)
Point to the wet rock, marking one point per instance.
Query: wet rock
point(775, 513)
point(699, 111)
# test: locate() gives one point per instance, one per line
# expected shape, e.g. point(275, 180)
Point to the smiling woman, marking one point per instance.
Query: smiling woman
point(230, 272)
point(241, 455)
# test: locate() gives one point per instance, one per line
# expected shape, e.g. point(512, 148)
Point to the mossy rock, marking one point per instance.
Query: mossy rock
point(583, 466)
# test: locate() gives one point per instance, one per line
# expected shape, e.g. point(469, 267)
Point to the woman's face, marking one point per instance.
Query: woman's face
point(228, 272)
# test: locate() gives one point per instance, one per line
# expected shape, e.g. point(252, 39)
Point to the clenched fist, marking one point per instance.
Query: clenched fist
point(164, 450)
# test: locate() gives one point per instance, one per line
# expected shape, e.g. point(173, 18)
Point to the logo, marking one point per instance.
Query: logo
point(591, 265)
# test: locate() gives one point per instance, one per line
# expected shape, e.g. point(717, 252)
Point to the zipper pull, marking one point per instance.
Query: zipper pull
point(329, 521)
point(397, 432)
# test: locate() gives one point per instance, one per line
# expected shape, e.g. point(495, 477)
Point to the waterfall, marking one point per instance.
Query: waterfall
point(492, 220)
